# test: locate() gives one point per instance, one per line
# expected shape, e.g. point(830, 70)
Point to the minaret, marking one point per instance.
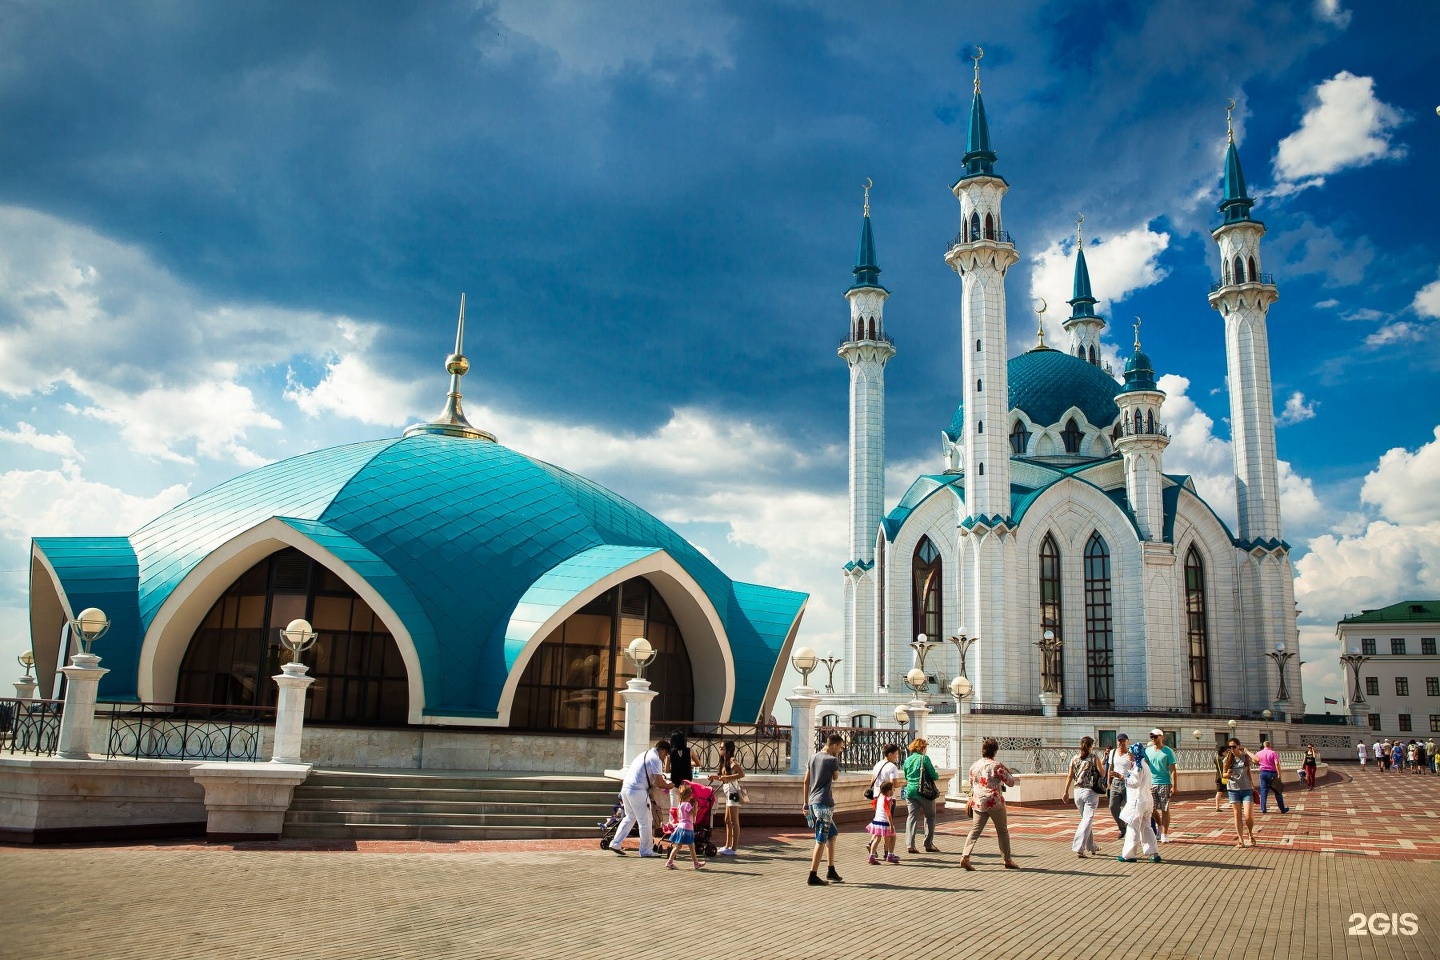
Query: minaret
point(981, 255)
point(1243, 296)
point(866, 351)
point(451, 422)
point(1142, 442)
point(1083, 325)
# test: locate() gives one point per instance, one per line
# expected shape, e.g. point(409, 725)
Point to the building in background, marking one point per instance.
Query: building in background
point(1399, 678)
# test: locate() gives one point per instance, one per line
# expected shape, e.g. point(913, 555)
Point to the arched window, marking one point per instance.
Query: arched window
point(1099, 627)
point(1019, 439)
point(979, 427)
point(1238, 270)
point(1050, 610)
point(989, 228)
point(1149, 421)
point(1197, 632)
point(1072, 436)
point(926, 578)
point(977, 346)
point(981, 471)
point(978, 385)
point(1251, 274)
point(975, 225)
point(872, 328)
point(1093, 357)
point(863, 721)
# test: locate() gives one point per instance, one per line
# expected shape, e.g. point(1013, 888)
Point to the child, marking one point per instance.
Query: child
point(880, 828)
point(684, 833)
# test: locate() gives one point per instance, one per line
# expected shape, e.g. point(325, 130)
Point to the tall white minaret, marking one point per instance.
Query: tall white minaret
point(1083, 324)
point(981, 255)
point(865, 351)
point(1243, 296)
point(1142, 442)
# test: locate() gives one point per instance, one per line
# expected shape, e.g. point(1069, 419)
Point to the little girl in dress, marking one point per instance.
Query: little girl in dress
point(880, 828)
point(684, 833)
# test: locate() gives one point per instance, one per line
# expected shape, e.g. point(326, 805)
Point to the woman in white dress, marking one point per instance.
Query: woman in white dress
point(1139, 805)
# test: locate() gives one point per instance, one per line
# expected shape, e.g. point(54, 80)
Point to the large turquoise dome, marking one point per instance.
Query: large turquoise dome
point(1044, 383)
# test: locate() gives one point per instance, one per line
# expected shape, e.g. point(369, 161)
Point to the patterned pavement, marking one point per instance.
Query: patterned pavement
point(1322, 883)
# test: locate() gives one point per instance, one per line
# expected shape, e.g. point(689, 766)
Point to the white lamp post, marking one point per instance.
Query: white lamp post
point(638, 699)
point(82, 684)
point(960, 688)
point(25, 686)
point(297, 637)
point(802, 709)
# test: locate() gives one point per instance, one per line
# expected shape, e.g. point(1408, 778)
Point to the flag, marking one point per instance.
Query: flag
point(1328, 700)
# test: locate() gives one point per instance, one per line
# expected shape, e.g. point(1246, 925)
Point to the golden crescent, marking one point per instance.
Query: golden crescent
point(1079, 218)
point(979, 53)
point(1232, 105)
point(1043, 305)
point(869, 183)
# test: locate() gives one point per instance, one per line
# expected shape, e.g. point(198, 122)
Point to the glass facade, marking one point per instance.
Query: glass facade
point(359, 675)
point(1197, 632)
point(573, 680)
point(926, 596)
point(1099, 625)
point(1050, 611)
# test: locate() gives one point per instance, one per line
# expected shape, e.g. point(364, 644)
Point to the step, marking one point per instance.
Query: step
point(476, 819)
point(402, 831)
point(446, 795)
point(399, 806)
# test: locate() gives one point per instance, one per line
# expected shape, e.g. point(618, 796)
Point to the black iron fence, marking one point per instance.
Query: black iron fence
point(30, 727)
point(759, 747)
point(864, 746)
point(185, 731)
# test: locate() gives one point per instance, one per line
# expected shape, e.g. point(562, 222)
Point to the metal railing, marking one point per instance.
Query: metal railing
point(759, 747)
point(30, 726)
point(994, 236)
point(1150, 712)
point(185, 731)
point(1262, 278)
point(877, 338)
point(864, 746)
point(1023, 709)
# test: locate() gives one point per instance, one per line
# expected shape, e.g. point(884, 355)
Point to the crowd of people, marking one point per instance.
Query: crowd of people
point(1135, 780)
point(1394, 756)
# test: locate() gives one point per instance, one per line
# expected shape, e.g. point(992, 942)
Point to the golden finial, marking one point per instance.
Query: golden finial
point(1079, 219)
point(1137, 333)
point(868, 184)
point(979, 52)
point(1040, 323)
point(1229, 124)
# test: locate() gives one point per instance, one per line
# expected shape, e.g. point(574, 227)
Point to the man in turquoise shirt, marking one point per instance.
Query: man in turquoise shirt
point(1162, 779)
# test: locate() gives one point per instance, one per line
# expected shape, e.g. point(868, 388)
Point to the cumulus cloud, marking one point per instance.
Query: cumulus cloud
point(1332, 13)
point(1401, 332)
point(59, 444)
point(1119, 265)
point(596, 40)
point(1427, 300)
point(1345, 126)
point(354, 387)
point(1402, 486)
point(1297, 410)
point(1388, 562)
point(62, 503)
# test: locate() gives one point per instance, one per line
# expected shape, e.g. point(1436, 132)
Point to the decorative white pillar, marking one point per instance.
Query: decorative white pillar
point(290, 712)
point(637, 696)
point(1050, 704)
point(802, 726)
point(25, 689)
point(82, 685)
point(920, 714)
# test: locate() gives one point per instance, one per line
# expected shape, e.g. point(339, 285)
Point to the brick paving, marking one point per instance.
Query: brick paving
point(1346, 849)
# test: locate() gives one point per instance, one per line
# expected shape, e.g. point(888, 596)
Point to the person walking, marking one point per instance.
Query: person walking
point(1309, 764)
point(1270, 777)
point(1397, 756)
point(988, 778)
point(1364, 754)
point(684, 833)
point(881, 827)
point(1382, 755)
point(644, 775)
point(820, 774)
point(1430, 754)
point(728, 774)
point(1162, 773)
point(1115, 779)
point(919, 769)
point(1221, 752)
point(1138, 810)
point(1084, 782)
point(1240, 786)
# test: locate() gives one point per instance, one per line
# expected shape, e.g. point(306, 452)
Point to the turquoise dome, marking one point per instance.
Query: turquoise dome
point(460, 536)
point(1044, 383)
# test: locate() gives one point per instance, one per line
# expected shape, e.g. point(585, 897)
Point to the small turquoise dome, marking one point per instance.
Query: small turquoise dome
point(1044, 383)
point(1139, 373)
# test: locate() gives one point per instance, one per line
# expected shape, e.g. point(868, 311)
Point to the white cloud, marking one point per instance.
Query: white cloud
point(1388, 562)
point(1327, 304)
point(1403, 485)
point(59, 444)
point(1296, 410)
point(62, 503)
point(1364, 314)
point(602, 38)
point(353, 387)
point(1332, 13)
point(1119, 265)
point(1427, 300)
point(1345, 126)
point(1401, 332)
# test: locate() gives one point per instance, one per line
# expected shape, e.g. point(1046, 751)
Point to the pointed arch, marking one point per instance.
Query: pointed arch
point(1150, 421)
point(1099, 625)
point(975, 225)
point(989, 227)
point(1197, 631)
point(1094, 357)
point(1019, 439)
point(1251, 275)
point(1051, 612)
point(1072, 436)
point(1238, 270)
point(926, 585)
point(872, 328)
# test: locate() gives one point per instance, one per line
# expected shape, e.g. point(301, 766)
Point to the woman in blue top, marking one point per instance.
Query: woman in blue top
point(916, 805)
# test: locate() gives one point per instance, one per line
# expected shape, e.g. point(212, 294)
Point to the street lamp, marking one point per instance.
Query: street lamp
point(1049, 645)
point(91, 625)
point(921, 645)
point(642, 653)
point(902, 717)
point(917, 680)
point(26, 660)
point(960, 690)
point(298, 636)
point(962, 647)
point(1281, 657)
point(1355, 661)
point(805, 660)
point(831, 662)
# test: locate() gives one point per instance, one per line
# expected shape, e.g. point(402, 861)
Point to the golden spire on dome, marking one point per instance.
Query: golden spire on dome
point(1079, 219)
point(1040, 324)
point(868, 184)
point(979, 54)
point(1137, 334)
point(1229, 123)
point(451, 422)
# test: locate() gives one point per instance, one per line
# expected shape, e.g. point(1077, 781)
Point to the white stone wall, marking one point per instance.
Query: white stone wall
point(1384, 666)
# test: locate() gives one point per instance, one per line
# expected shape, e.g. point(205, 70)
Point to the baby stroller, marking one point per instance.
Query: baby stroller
point(617, 814)
point(703, 796)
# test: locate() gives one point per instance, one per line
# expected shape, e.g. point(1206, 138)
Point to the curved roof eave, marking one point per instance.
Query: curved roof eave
point(895, 519)
point(97, 572)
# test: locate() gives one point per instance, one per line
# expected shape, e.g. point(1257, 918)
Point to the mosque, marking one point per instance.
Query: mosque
point(1070, 573)
point(452, 582)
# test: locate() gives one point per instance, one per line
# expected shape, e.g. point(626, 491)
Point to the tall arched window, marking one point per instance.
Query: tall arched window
point(975, 225)
point(1251, 265)
point(1072, 436)
point(1019, 439)
point(1050, 611)
point(1099, 627)
point(989, 228)
point(872, 328)
point(1238, 270)
point(1197, 632)
point(1149, 421)
point(925, 596)
point(1094, 358)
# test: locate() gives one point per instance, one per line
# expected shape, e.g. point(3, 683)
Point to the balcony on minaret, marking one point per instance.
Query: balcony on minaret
point(976, 232)
point(1257, 279)
point(869, 336)
point(1141, 426)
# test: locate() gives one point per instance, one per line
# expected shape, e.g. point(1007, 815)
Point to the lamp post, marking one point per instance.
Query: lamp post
point(25, 686)
point(297, 637)
point(959, 689)
point(917, 680)
point(1050, 696)
point(1281, 657)
point(902, 717)
point(802, 710)
point(962, 649)
point(1358, 706)
point(637, 696)
point(1265, 715)
point(831, 662)
point(82, 684)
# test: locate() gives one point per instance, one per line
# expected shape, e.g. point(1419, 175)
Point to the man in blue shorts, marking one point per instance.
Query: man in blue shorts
point(820, 807)
point(1162, 774)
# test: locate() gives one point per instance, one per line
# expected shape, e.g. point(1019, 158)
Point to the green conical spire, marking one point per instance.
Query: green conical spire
point(1236, 205)
point(979, 159)
point(867, 271)
point(1082, 303)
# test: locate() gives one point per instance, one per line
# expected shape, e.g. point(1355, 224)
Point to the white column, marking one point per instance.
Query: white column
point(25, 689)
point(956, 792)
point(802, 727)
point(81, 688)
point(290, 712)
point(637, 696)
point(1050, 704)
point(920, 713)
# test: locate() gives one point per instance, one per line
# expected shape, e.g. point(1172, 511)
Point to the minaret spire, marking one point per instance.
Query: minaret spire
point(1142, 442)
point(979, 159)
point(1237, 203)
point(451, 422)
point(1083, 324)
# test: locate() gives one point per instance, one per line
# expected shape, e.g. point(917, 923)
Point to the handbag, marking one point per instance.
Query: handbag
point(744, 794)
point(1097, 783)
point(928, 790)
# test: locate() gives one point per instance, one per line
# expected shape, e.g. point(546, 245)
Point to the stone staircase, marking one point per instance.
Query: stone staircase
point(448, 805)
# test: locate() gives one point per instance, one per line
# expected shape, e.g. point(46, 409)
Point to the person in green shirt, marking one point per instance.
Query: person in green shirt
point(918, 806)
point(1162, 779)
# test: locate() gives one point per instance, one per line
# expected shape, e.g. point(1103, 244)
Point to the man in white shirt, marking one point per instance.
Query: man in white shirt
point(646, 772)
point(1364, 754)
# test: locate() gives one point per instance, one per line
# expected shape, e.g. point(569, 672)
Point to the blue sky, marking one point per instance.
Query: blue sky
point(232, 233)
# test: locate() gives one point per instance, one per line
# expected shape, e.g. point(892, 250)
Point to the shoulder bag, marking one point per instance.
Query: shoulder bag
point(928, 789)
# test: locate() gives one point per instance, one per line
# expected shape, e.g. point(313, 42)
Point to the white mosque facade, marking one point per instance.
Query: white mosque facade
point(1050, 516)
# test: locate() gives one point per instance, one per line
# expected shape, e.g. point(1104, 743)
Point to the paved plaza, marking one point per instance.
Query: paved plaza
point(1360, 844)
